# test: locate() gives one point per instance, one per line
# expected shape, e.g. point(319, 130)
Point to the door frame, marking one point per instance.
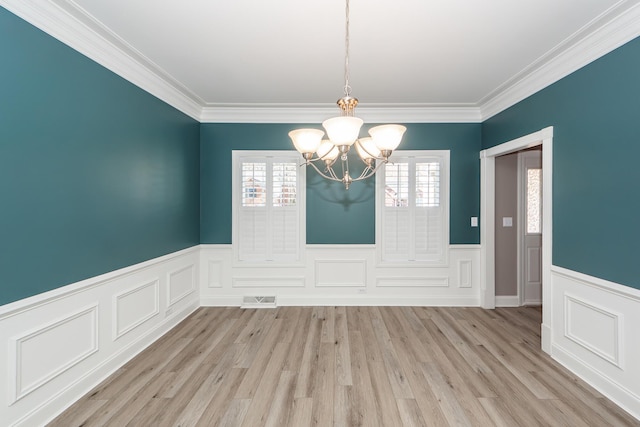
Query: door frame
point(543, 137)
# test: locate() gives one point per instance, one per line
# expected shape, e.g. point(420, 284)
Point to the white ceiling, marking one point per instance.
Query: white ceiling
point(289, 54)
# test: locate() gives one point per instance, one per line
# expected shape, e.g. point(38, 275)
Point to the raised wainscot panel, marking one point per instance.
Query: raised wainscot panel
point(404, 281)
point(44, 353)
point(594, 328)
point(180, 283)
point(214, 273)
point(135, 306)
point(341, 273)
point(268, 282)
point(465, 274)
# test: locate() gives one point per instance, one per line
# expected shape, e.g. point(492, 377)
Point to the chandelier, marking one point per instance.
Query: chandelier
point(343, 133)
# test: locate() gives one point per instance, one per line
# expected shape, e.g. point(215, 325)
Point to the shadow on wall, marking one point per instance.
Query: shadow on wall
point(335, 193)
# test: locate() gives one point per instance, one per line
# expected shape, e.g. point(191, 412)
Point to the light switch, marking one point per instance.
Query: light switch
point(507, 221)
point(474, 221)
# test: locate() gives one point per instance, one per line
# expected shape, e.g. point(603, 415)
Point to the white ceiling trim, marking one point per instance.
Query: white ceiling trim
point(601, 37)
point(65, 21)
point(71, 25)
point(315, 114)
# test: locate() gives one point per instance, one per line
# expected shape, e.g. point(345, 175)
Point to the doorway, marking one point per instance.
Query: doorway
point(543, 137)
point(518, 228)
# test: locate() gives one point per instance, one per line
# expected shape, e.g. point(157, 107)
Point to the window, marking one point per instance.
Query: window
point(412, 217)
point(268, 204)
point(534, 200)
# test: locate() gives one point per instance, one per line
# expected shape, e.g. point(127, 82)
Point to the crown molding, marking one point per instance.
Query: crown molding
point(617, 26)
point(313, 113)
point(67, 22)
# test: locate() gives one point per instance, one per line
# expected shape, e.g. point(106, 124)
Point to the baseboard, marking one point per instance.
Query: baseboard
point(546, 338)
point(507, 301)
point(618, 393)
point(342, 300)
point(64, 342)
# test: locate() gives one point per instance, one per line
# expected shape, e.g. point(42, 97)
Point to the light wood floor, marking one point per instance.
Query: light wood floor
point(347, 366)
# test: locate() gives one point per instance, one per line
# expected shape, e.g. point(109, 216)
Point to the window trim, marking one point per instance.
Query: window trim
point(445, 197)
point(237, 157)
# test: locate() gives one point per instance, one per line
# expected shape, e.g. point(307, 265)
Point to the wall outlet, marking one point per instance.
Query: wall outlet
point(474, 221)
point(362, 291)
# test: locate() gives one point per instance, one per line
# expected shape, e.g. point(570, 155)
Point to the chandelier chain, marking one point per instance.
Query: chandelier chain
point(347, 88)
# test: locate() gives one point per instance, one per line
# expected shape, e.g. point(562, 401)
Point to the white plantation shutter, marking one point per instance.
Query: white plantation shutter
point(412, 214)
point(268, 203)
point(284, 227)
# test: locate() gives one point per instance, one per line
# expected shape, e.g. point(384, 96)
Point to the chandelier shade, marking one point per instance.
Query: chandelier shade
point(387, 137)
point(306, 141)
point(327, 151)
point(367, 149)
point(343, 132)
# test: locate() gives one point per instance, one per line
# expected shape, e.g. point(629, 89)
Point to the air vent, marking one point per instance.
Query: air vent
point(258, 302)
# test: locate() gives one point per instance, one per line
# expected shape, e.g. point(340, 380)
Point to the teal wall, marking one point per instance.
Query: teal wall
point(95, 173)
point(336, 216)
point(595, 113)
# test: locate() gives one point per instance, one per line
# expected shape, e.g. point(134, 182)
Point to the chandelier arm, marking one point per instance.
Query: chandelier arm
point(364, 174)
point(368, 172)
point(332, 176)
point(323, 158)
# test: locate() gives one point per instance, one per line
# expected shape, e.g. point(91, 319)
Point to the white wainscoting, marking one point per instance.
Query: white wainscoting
point(60, 344)
point(341, 275)
point(595, 334)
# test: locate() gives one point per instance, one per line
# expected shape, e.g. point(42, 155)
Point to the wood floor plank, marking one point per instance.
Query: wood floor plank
point(310, 356)
point(322, 390)
point(328, 325)
point(386, 403)
point(260, 360)
point(300, 333)
point(359, 319)
point(222, 398)
point(235, 413)
point(193, 360)
point(343, 352)
point(363, 410)
point(282, 400)
point(410, 413)
point(452, 362)
point(301, 412)
point(397, 378)
point(499, 413)
point(207, 391)
point(451, 408)
point(347, 366)
point(261, 400)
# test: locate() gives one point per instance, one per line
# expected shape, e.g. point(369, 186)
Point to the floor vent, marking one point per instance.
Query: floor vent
point(258, 302)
